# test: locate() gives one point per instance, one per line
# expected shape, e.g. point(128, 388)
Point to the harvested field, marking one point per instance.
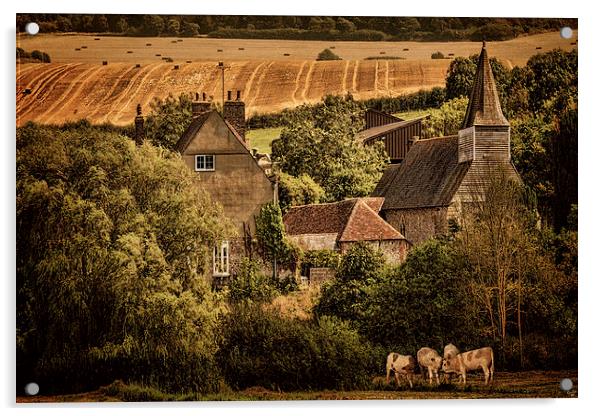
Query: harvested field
point(76, 85)
point(525, 384)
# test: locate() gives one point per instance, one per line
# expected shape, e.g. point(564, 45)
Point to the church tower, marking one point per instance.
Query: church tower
point(485, 133)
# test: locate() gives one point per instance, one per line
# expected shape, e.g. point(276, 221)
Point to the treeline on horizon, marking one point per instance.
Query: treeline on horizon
point(297, 27)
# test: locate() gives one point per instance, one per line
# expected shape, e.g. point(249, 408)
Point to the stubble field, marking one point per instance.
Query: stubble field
point(76, 85)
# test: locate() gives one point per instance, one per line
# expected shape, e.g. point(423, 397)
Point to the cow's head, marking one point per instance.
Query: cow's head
point(446, 365)
point(437, 361)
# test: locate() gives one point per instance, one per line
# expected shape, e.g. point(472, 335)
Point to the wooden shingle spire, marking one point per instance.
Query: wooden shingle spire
point(484, 107)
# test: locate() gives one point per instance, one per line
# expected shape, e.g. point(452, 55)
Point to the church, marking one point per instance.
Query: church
point(424, 193)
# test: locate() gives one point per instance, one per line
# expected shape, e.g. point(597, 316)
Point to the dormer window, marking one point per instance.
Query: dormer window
point(204, 163)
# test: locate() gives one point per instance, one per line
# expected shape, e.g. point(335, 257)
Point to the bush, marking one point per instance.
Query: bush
point(250, 284)
point(328, 55)
point(437, 55)
point(261, 348)
point(293, 191)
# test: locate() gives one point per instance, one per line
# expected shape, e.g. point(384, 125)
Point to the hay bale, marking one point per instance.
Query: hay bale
point(77, 49)
point(137, 65)
point(130, 51)
point(84, 47)
point(105, 62)
point(180, 40)
point(382, 52)
point(96, 38)
point(174, 41)
point(220, 50)
point(188, 62)
point(287, 54)
point(241, 49)
point(573, 43)
point(538, 47)
point(333, 47)
point(176, 67)
point(406, 49)
point(450, 54)
point(149, 44)
point(157, 54)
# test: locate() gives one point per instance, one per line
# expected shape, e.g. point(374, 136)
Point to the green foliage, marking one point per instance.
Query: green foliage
point(250, 284)
point(112, 251)
point(321, 143)
point(493, 31)
point(420, 303)
point(437, 55)
point(262, 348)
point(168, 119)
point(328, 55)
point(461, 72)
point(294, 191)
point(344, 297)
point(270, 233)
point(322, 258)
point(35, 55)
point(447, 119)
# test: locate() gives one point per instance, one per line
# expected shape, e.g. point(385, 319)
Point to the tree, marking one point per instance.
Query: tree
point(113, 249)
point(173, 27)
point(460, 77)
point(121, 25)
point(293, 191)
point(344, 25)
point(320, 142)
point(272, 240)
point(190, 29)
point(153, 24)
point(168, 119)
point(100, 23)
point(447, 119)
point(328, 55)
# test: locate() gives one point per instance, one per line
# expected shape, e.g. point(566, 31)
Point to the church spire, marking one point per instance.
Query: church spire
point(484, 106)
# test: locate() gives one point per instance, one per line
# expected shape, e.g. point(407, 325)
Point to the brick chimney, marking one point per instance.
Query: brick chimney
point(234, 113)
point(139, 123)
point(199, 107)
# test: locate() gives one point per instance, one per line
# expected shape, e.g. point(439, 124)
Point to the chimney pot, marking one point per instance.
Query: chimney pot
point(229, 95)
point(197, 96)
point(204, 97)
point(237, 95)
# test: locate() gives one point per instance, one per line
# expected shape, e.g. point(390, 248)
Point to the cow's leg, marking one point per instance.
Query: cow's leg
point(485, 373)
point(430, 375)
point(437, 377)
point(409, 377)
point(463, 374)
point(388, 374)
point(397, 379)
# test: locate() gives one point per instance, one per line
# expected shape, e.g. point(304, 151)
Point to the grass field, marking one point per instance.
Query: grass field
point(527, 384)
point(261, 139)
point(76, 85)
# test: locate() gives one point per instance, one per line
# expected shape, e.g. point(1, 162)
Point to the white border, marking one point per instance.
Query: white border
point(589, 153)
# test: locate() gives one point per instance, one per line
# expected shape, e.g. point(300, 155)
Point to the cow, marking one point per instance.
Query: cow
point(401, 364)
point(429, 359)
point(450, 350)
point(470, 361)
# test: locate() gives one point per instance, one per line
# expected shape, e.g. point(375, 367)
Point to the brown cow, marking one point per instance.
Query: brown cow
point(470, 361)
point(400, 364)
point(429, 359)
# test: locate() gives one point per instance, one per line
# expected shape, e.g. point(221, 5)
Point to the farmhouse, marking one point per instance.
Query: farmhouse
point(396, 134)
point(338, 225)
point(425, 191)
point(214, 146)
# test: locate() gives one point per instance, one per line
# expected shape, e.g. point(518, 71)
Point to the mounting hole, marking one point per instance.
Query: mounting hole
point(566, 384)
point(31, 389)
point(566, 32)
point(32, 28)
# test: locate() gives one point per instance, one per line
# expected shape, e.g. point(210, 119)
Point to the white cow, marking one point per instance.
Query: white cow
point(450, 350)
point(470, 361)
point(429, 359)
point(400, 364)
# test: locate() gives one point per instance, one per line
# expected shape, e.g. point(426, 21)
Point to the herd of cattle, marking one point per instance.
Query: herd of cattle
point(452, 362)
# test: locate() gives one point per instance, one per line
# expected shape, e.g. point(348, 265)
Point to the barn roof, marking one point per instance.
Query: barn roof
point(379, 131)
point(351, 220)
point(484, 106)
point(429, 176)
point(195, 126)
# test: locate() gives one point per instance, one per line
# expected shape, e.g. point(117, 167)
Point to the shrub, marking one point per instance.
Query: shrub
point(328, 55)
point(261, 348)
point(293, 191)
point(437, 55)
point(250, 284)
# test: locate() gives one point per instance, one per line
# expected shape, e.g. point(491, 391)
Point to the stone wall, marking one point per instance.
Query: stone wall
point(318, 275)
point(395, 251)
point(315, 241)
point(419, 224)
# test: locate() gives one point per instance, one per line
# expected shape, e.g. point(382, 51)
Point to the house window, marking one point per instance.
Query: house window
point(203, 163)
point(221, 259)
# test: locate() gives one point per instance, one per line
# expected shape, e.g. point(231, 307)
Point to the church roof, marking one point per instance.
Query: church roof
point(429, 176)
point(484, 106)
point(352, 220)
